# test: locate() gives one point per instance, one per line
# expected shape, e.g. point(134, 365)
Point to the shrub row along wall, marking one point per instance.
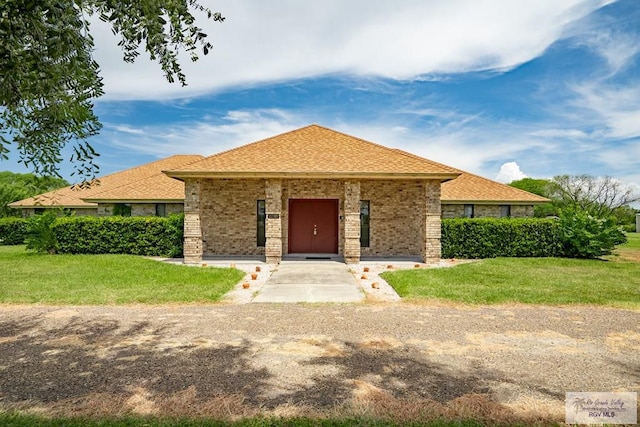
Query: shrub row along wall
point(508, 237)
point(152, 236)
point(461, 237)
point(13, 231)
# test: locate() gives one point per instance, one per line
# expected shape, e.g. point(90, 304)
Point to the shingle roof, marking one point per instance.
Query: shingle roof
point(331, 152)
point(158, 187)
point(315, 151)
point(147, 176)
point(470, 188)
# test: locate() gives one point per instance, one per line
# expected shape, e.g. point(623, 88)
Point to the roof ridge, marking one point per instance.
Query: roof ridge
point(249, 144)
point(385, 147)
point(408, 154)
point(315, 125)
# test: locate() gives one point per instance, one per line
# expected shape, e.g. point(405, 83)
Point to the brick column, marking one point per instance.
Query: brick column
point(352, 222)
point(273, 226)
point(192, 228)
point(431, 247)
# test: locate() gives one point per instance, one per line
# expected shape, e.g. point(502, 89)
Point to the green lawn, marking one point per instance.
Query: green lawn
point(554, 281)
point(106, 279)
point(633, 241)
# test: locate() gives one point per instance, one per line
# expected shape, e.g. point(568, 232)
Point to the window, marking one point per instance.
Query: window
point(38, 211)
point(122, 209)
point(505, 211)
point(364, 223)
point(468, 211)
point(261, 215)
point(161, 209)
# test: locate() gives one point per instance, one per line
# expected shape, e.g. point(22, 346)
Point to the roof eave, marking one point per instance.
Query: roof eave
point(493, 202)
point(180, 200)
point(53, 206)
point(311, 175)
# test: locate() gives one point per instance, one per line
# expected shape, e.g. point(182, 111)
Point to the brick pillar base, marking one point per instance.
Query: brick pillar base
point(192, 230)
point(352, 222)
point(273, 226)
point(431, 247)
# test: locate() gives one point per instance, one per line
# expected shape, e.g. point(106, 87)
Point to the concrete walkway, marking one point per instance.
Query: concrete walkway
point(310, 281)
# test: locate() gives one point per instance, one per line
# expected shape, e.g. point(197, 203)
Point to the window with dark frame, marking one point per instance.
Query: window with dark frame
point(364, 223)
point(468, 211)
point(261, 236)
point(505, 211)
point(122, 209)
point(161, 209)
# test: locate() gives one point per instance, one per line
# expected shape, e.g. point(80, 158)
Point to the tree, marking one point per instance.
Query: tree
point(541, 187)
point(49, 79)
point(533, 185)
point(599, 196)
point(18, 186)
point(626, 217)
point(588, 236)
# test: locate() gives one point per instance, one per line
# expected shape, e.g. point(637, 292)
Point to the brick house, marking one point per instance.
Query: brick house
point(309, 192)
point(316, 191)
point(140, 191)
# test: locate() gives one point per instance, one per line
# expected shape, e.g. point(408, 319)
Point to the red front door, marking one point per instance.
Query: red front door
point(313, 226)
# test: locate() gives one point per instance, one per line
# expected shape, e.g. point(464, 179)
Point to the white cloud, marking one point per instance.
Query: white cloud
point(616, 107)
point(510, 171)
point(203, 137)
point(280, 40)
point(559, 133)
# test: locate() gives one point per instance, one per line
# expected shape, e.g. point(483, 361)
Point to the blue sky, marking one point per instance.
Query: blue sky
point(501, 88)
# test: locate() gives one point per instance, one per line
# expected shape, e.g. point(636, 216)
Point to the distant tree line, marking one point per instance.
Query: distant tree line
point(18, 186)
point(600, 197)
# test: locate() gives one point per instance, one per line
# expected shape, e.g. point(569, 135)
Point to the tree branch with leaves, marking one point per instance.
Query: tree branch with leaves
point(49, 79)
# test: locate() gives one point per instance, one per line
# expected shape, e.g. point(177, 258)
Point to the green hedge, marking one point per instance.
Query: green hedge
point(153, 236)
point(461, 237)
point(507, 237)
point(13, 231)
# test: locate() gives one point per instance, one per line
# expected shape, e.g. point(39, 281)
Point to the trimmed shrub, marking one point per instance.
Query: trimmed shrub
point(505, 237)
point(153, 236)
point(13, 231)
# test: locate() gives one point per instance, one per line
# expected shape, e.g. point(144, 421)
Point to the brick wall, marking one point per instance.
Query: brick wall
point(149, 209)
point(175, 208)
point(405, 215)
point(486, 211)
point(228, 216)
point(105, 209)
point(397, 217)
point(524, 211)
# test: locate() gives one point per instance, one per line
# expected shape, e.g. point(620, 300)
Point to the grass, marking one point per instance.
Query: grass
point(633, 242)
point(106, 279)
point(613, 282)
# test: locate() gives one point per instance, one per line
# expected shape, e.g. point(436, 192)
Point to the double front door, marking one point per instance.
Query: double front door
point(313, 226)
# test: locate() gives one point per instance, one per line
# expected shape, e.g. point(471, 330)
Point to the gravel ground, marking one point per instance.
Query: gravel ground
point(317, 356)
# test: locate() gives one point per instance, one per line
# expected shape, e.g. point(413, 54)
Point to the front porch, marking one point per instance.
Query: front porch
point(275, 218)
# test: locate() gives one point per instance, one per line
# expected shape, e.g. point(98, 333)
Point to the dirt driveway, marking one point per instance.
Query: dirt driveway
point(292, 359)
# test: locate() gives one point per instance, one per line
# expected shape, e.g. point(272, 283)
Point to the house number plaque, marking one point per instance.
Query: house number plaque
point(273, 216)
